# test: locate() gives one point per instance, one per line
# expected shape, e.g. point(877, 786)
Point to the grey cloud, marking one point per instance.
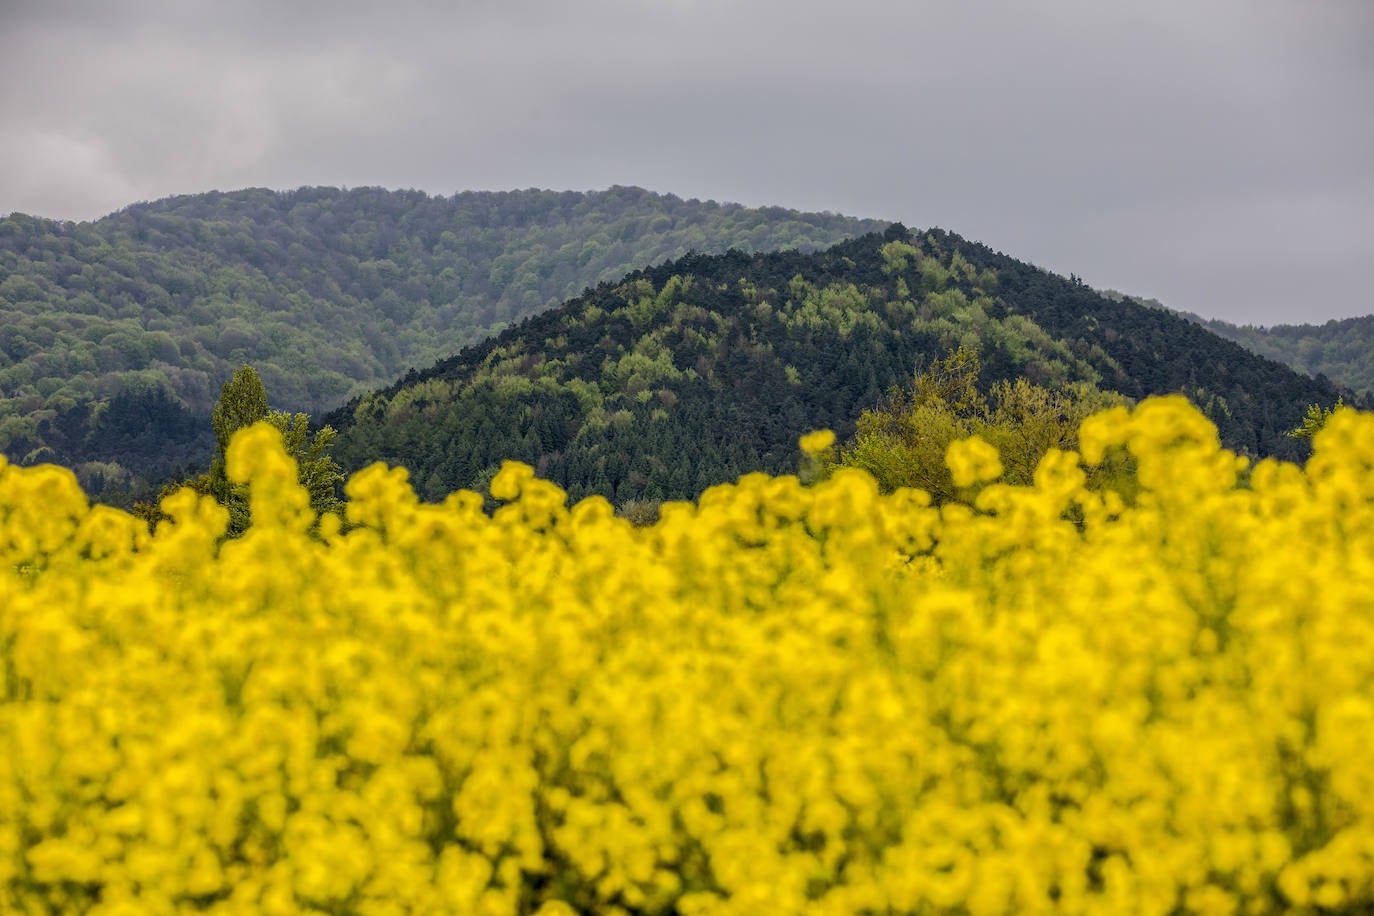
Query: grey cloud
point(1215, 155)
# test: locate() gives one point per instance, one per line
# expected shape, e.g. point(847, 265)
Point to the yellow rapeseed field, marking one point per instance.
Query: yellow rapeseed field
point(781, 699)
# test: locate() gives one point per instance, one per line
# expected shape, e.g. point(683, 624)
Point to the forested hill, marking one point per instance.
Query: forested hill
point(1342, 350)
point(115, 335)
point(690, 373)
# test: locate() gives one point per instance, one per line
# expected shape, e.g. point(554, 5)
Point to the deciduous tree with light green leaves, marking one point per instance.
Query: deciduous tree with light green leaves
point(904, 443)
point(1315, 419)
point(243, 402)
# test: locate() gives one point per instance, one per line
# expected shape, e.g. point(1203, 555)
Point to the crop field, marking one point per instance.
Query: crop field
point(783, 698)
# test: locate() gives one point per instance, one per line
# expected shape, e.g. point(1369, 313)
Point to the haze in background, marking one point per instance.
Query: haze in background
point(1218, 156)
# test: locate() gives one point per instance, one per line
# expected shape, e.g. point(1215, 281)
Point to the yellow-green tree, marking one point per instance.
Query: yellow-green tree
point(1315, 419)
point(904, 442)
point(243, 402)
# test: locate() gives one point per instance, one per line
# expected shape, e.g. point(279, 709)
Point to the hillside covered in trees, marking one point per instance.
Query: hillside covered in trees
point(116, 335)
point(691, 373)
point(1342, 350)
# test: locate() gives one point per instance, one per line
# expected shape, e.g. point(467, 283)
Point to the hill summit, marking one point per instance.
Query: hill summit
point(691, 373)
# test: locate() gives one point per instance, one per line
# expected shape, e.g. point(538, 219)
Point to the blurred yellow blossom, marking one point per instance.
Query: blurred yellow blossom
point(973, 460)
point(817, 441)
point(778, 699)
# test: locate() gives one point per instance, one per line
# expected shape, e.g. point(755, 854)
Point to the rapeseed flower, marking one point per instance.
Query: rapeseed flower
point(781, 698)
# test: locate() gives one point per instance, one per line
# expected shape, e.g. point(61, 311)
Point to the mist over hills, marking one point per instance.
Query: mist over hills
point(115, 335)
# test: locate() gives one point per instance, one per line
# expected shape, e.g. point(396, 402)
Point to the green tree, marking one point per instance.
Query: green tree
point(243, 402)
point(1314, 421)
point(903, 443)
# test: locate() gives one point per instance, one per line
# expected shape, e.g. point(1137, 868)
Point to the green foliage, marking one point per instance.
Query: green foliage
point(317, 470)
point(904, 442)
point(641, 513)
point(116, 335)
point(1315, 419)
point(328, 293)
point(1341, 350)
point(243, 402)
point(692, 373)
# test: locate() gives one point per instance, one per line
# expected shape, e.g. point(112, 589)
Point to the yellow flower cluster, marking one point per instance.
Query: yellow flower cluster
point(780, 699)
point(816, 442)
point(973, 460)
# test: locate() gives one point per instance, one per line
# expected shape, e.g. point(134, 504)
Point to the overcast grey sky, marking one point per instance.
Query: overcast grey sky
point(1215, 154)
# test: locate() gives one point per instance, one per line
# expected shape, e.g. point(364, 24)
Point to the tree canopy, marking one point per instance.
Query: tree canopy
point(695, 372)
point(243, 402)
point(1341, 350)
point(115, 335)
point(905, 442)
point(1314, 420)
